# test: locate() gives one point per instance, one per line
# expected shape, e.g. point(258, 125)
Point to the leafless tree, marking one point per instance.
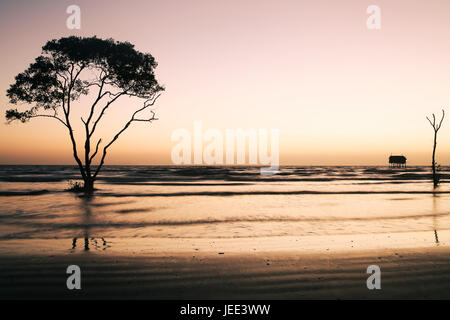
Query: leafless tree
point(436, 128)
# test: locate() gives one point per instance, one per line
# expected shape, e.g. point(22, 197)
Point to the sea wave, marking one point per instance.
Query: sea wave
point(154, 174)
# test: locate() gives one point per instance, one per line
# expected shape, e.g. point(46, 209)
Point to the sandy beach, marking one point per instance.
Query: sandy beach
point(411, 274)
point(202, 273)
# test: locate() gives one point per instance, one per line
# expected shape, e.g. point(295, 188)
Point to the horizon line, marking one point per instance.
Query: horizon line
point(226, 165)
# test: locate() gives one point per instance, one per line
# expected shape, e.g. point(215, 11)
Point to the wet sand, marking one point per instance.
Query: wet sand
point(406, 273)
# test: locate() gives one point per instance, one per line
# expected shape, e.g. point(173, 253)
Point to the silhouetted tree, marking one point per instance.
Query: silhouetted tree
point(70, 68)
point(436, 128)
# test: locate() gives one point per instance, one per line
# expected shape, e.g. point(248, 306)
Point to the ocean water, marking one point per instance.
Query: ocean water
point(156, 203)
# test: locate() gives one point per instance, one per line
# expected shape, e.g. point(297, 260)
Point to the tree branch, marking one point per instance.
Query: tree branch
point(103, 112)
point(442, 119)
point(49, 116)
point(433, 123)
point(96, 150)
point(99, 97)
point(147, 103)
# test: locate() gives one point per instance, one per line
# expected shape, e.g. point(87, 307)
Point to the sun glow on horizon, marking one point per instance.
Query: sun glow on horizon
point(340, 94)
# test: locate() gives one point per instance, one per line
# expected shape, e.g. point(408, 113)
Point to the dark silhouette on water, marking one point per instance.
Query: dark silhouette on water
point(435, 217)
point(436, 128)
point(72, 67)
point(397, 161)
point(87, 220)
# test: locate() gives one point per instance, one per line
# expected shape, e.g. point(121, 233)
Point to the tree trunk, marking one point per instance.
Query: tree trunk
point(436, 128)
point(89, 185)
point(433, 164)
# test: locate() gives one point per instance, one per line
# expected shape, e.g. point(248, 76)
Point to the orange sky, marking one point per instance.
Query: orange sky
point(338, 92)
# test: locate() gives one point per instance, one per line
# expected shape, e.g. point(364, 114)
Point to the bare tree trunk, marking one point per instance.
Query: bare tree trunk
point(436, 126)
point(433, 163)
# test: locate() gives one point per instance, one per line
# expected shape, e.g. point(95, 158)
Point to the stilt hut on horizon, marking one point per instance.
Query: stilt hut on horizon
point(397, 161)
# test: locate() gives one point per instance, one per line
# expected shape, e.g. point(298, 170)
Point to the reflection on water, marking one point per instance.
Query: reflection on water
point(93, 242)
point(225, 203)
point(435, 217)
point(86, 222)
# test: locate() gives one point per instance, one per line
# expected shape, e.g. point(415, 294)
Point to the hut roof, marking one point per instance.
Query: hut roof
point(397, 159)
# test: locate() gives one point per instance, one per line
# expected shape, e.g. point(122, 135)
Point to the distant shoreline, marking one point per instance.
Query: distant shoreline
point(225, 165)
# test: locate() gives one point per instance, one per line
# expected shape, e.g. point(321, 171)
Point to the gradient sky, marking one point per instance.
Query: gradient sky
point(338, 92)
